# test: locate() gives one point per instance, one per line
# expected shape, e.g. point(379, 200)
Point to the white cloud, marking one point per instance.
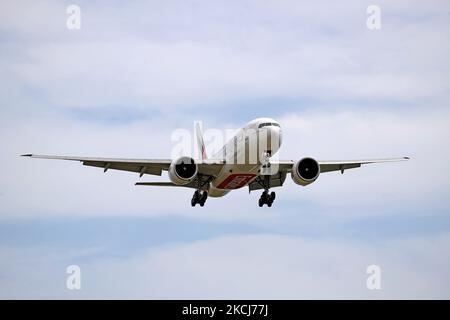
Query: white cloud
point(242, 267)
point(170, 56)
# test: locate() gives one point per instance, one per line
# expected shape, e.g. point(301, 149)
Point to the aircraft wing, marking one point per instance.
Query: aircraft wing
point(285, 166)
point(206, 168)
point(141, 166)
point(337, 165)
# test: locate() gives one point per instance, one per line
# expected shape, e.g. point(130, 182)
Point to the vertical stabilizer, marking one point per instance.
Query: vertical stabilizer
point(200, 142)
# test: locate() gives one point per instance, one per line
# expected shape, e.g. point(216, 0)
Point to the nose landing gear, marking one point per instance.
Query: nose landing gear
point(199, 197)
point(266, 198)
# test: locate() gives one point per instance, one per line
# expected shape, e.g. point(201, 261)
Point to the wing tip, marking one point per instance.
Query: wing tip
point(406, 158)
point(27, 155)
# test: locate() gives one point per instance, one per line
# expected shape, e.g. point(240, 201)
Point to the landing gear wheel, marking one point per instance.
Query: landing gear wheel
point(199, 198)
point(272, 196)
point(261, 202)
point(195, 198)
point(203, 198)
point(266, 198)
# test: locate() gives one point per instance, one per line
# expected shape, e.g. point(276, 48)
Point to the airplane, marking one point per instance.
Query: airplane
point(246, 160)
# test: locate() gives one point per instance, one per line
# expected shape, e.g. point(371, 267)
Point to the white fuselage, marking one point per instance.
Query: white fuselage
point(245, 154)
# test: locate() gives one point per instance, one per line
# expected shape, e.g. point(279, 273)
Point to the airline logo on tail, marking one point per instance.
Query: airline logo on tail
point(200, 142)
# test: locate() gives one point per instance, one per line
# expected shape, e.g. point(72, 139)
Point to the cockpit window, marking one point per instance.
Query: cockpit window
point(266, 124)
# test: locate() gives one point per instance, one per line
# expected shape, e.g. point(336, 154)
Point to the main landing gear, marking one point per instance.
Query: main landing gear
point(266, 198)
point(199, 197)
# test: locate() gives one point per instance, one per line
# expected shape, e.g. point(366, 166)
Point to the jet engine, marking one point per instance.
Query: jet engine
point(183, 170)
point(305, 171)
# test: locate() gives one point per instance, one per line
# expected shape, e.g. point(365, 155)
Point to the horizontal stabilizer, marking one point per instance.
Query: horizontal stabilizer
point(157, 184)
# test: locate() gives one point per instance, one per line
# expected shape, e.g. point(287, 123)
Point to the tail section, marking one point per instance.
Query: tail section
point(200, 142)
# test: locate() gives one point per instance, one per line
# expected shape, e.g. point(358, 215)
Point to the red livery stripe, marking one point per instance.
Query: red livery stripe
point(236, 181)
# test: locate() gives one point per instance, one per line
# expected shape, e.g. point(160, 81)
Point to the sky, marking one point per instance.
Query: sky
point(135, 72)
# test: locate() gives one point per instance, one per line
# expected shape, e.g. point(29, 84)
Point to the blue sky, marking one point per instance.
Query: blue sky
point(134, 73)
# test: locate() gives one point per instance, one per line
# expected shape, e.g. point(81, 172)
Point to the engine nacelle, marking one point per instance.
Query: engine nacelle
point(305, 171)
point(183, 170)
